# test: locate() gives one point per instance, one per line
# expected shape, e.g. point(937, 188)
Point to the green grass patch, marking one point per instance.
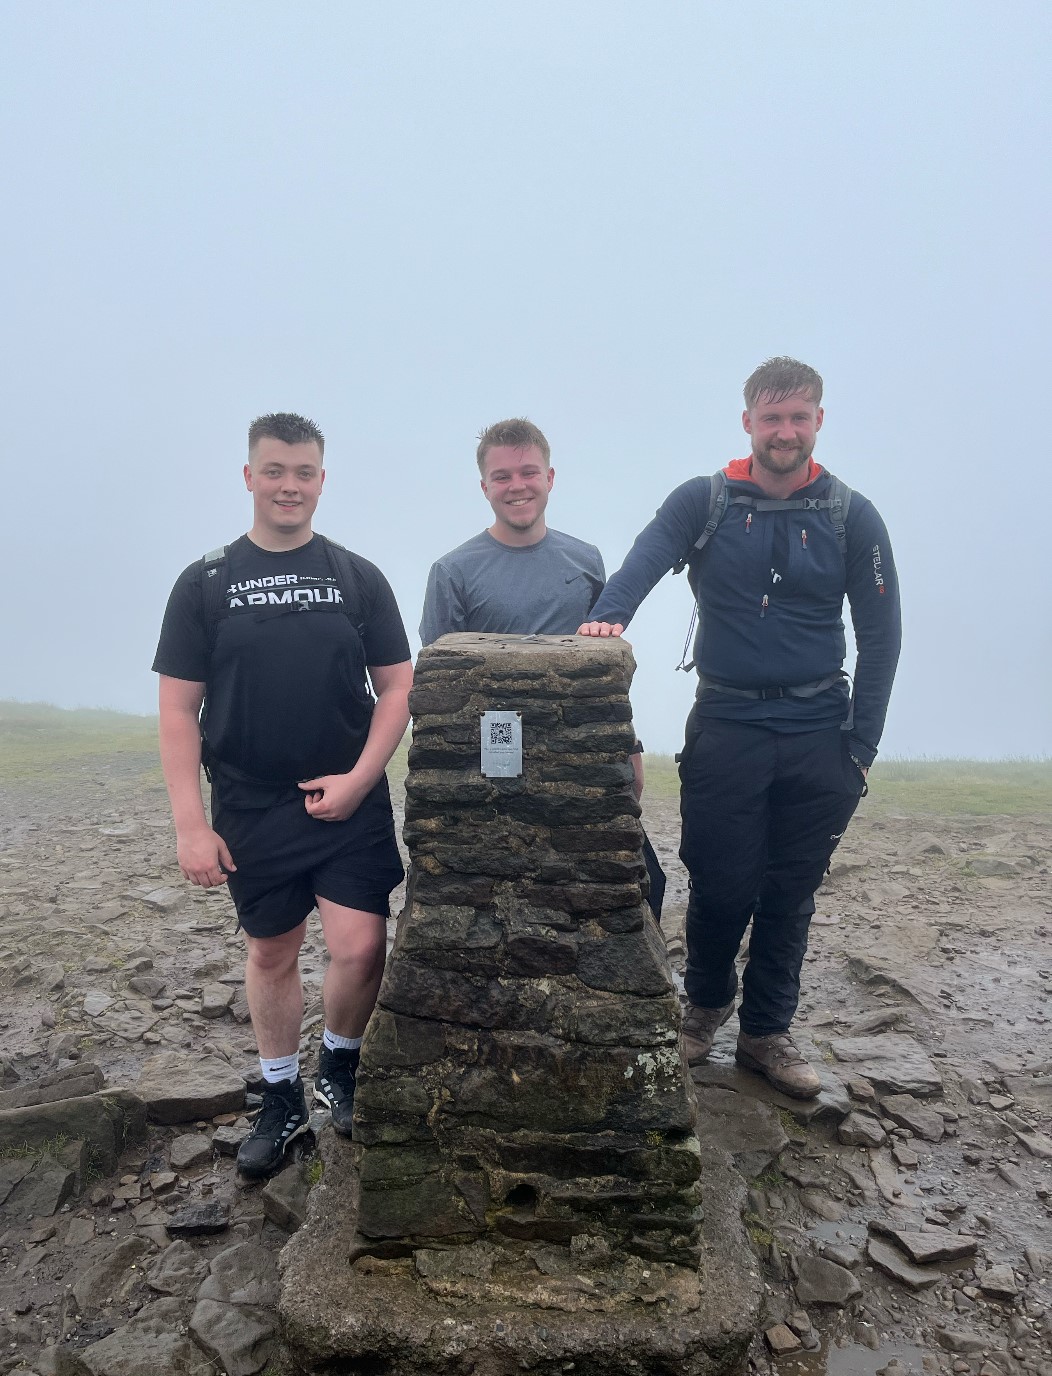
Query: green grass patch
point(22, 1151)
point(38, 741)
point(950, 787)
point(760, 1235)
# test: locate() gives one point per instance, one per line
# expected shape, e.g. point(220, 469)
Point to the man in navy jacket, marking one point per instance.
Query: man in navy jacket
point(777, 747)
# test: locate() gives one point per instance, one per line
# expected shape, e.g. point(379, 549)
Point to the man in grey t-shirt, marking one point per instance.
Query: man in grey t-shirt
point(518, 577)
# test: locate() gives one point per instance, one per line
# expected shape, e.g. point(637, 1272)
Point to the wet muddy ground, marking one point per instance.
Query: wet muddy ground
point(927, 1005)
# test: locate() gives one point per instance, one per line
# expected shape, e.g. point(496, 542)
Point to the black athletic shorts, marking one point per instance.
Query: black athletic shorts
point(286, 858)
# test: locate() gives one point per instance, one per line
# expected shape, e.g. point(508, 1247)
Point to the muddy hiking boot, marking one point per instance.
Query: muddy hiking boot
point(335, 1083)
point(280, 1121)
point(700, 1026)
point(779, 1060)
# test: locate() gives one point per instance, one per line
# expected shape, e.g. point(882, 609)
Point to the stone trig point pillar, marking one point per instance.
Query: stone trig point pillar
point(523, 1188)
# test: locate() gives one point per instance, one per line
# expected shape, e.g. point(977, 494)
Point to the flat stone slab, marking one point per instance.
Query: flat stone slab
point(179, 1270)
point(388, 1314)
point(153, 1341)
point(179, 1089)
point(73, 1082)
point(930, 1245)
point(747, 1128)
point(887, 1258)
point(890, 1060)
point(112, 1275)
point(239, 1337)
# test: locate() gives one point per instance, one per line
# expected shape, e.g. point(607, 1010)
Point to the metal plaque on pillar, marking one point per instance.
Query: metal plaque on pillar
point(501, 745)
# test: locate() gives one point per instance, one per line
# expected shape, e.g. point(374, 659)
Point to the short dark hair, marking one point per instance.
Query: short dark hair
point(779, 378)
point(287, 427)
point(518, 433)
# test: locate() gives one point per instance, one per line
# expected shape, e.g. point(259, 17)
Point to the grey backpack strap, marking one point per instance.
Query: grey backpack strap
point(717, 511)
point(839, 505)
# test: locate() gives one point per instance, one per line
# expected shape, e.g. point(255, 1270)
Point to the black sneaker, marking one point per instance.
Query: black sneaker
point(282, 1118)
point(335, 1084)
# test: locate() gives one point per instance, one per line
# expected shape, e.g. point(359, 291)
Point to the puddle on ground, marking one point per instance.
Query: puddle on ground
point(853, 1360)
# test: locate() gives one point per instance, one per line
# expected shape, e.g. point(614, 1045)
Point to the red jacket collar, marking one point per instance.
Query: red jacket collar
point(740, 471)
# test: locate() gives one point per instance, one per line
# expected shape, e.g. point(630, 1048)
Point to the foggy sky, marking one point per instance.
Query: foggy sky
point(408, 220)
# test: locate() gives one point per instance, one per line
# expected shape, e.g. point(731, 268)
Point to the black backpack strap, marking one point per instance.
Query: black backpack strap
point(213, 569)
point(718, 504)
point(341, 562)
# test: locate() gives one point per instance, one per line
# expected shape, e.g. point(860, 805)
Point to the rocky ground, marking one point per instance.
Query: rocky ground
point(903, 1220)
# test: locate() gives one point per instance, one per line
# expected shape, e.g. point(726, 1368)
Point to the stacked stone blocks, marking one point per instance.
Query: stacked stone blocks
point(520, 1078)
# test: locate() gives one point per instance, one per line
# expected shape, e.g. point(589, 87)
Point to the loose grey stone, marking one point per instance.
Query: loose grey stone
point(80, 1232)
point(921, 1120)
point(1036, 1143)
point(193, 1220)
point(239, 1337)
point(843, 1254)
point(54, 977)
point(227, 1139)
point(215, 1000)
point(178, 1088)
point(164, 899)
point(820, 1281)
point(285, 1197)
point(147, 985)
point(994, 866)
point(1000, 1282)
point(1035, 1091)
point(781, 1339)
point(189, 1149)
point(95, 1003)
point(820, 1203)
point(861, 1130)
point(961, 1340)
point(152, 1342)
point(179, 1269)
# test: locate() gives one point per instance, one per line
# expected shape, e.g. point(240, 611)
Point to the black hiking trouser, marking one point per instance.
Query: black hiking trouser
point(762, 814)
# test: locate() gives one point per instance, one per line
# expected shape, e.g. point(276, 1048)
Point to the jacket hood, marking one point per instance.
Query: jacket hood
point(740, 471)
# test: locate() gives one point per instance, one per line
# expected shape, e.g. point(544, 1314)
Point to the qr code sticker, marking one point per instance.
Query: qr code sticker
point(500, 733)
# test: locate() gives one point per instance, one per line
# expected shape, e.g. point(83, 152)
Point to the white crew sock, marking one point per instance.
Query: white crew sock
point(280, 1068)
point(335, 1043)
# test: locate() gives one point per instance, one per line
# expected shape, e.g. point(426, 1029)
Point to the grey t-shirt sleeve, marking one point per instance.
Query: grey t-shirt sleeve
point(444, 610)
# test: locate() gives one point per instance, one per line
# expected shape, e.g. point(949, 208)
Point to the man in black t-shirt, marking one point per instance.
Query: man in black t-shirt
point(266, 682)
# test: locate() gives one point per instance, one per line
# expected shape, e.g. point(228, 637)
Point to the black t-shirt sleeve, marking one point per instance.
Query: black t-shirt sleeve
point(182, 650)
point(383, 633)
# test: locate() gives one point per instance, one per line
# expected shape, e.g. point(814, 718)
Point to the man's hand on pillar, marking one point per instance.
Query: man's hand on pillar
point(600, 628)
